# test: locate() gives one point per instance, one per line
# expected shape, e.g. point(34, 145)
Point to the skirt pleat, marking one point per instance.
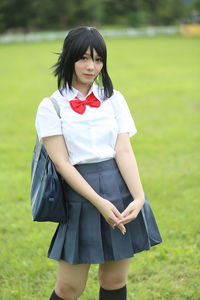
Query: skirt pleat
point(87, 238)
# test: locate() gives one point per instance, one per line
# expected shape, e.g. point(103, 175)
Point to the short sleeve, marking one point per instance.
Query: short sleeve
point(47, 121)
point(123, 116)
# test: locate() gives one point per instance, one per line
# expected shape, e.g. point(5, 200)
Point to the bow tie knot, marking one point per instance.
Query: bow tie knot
point(79, 106)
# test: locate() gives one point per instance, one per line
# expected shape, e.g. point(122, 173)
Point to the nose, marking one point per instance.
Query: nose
point(90, 64)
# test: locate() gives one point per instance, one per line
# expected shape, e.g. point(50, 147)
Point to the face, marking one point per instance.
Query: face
point(86, 69)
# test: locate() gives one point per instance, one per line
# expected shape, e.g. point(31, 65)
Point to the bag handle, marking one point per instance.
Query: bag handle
point(38, 145)
point(56, 106)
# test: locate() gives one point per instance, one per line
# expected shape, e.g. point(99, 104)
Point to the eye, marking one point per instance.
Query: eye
point(83, 57)
point(98, 59)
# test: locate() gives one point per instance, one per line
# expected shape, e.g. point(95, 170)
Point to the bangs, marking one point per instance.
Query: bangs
point(89, 39)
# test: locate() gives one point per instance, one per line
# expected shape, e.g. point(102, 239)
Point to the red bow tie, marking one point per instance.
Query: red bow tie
point(79, 106)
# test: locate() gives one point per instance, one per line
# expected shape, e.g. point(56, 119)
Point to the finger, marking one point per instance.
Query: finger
point(116, 223)
point(122, 228)
point(126, 211)
point(113, 220)
point(128, 219)
point(117, 213)
point(128, 216)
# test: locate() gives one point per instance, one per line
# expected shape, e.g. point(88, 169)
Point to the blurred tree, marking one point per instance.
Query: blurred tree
point(15, 14)
point(47, 14)
point(170, 11)
point(152, 7)
point(165, 12)
point(115, 9)
point(85, 12)
point(60, 14)
point(197, 5)
point(57, 14)
point(177, 10)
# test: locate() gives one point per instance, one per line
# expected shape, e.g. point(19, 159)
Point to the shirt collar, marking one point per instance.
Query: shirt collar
point(71, 94)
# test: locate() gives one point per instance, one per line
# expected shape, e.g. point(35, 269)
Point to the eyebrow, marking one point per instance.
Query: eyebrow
point(88, 53)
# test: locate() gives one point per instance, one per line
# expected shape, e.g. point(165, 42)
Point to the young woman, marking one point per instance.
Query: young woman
point(109, 217)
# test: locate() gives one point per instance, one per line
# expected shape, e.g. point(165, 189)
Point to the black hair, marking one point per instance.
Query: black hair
point(75, 45)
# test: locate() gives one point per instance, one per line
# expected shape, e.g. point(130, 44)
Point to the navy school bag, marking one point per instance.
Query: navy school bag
point(47, 194)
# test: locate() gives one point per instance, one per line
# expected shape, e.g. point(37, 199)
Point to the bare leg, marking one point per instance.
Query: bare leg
point(112, 278)
point(71, 280)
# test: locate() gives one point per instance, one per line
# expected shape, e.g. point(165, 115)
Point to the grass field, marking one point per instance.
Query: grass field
point(160, 78)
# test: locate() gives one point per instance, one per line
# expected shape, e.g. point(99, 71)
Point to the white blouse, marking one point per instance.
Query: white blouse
point(90, 137)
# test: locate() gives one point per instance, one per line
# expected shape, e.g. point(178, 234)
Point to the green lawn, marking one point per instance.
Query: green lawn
point(160, 78)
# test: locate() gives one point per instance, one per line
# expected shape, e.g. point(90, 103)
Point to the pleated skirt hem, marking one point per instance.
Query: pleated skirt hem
point(95, 260)
point(87, 238)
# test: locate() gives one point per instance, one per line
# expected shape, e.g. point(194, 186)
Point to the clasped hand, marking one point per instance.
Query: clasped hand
point(116, 219)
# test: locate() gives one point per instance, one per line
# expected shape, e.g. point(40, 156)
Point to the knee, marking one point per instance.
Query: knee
point(110, 281)
point(68, 291)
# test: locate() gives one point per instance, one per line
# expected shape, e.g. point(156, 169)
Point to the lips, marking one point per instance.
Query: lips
point(88, 75)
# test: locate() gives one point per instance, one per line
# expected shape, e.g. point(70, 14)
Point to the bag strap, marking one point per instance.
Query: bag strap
point(56, 106)
point(38, 145)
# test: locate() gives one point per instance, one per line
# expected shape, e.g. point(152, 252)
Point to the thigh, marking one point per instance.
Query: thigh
point(72, 276)
point(113, 274)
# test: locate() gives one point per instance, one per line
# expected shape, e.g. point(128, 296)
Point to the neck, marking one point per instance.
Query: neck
point(83, 88)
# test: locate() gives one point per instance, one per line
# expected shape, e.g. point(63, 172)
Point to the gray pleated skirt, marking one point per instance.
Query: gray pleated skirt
point(87, 238)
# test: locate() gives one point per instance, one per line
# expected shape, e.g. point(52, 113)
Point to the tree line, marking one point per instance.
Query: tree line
point(30, 15)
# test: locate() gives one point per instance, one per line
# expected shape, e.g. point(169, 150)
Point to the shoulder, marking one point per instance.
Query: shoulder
point(120, 106)
point(117, 94)
point(117, 99)
point(46, 103)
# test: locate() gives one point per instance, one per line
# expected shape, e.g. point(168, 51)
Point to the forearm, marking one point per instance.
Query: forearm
point(77, 182)
point(57, 151)
point(56, 148)
point(129, 170)
point(80, 185)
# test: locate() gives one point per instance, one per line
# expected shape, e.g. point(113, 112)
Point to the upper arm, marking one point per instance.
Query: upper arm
point(56, 148)
point(47, 121)
point(123, 143)
point(123, 116)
